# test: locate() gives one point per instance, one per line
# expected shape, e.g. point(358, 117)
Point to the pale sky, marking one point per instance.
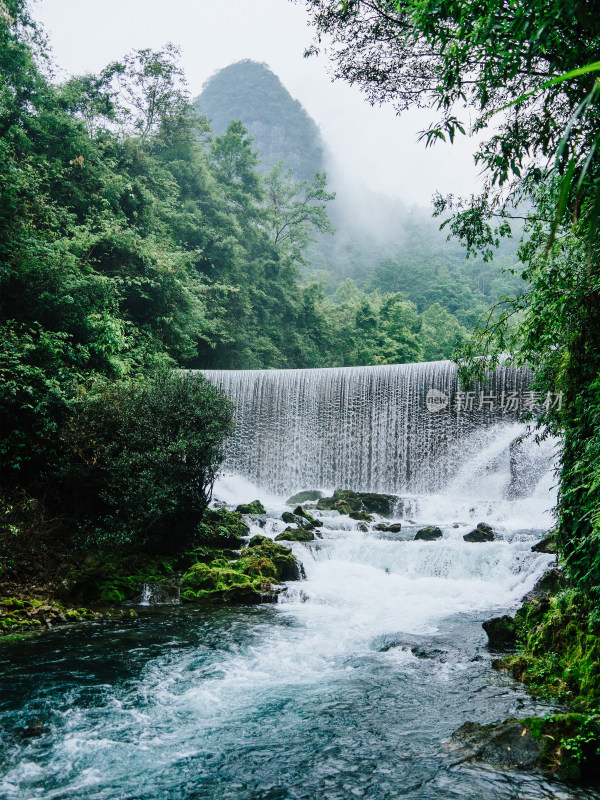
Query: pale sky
point(374, 145)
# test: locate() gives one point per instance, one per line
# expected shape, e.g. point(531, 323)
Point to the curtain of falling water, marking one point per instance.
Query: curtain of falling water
point(364, 428)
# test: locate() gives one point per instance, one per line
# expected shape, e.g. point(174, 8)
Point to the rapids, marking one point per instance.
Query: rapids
point(350, 685)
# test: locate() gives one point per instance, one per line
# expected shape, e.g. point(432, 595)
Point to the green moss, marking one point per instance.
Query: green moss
point(221, 528)
point(255, 507)
point(348, 502)
point(247, 579)
point(572, 744)
point(309, 496)
point(13, 602)
point(295, 535)
point(117, 579)
point(314, 522)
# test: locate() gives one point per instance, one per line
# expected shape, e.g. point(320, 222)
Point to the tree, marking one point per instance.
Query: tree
point(530, 70)
point(295, 210)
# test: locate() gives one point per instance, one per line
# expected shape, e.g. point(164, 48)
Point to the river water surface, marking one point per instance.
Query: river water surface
point(346, 688)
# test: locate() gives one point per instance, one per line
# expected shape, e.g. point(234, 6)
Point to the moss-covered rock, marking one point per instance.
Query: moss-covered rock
point(218, 582)
point(361, 516)
point(313, 521)
point(309, 496)
point(24, 615)
point(295, 535)
point(114, 580)
point(255, 507)
point(251, 578)
point(347, 502)
point(284, 560)
point(546, 545)
point(502, 632)
point(221, 528)
point(395, 528)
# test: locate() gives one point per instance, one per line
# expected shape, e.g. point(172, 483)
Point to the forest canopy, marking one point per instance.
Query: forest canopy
point(527, 75)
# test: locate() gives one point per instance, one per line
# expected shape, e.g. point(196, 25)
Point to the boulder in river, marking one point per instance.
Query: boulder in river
point(314, 522)
point(546, 545)
point(549, 585)
point(502, 632)
point(295, 535)
point(504, 745)
point(429, 534)
point(361, 516)
point(255, 507)
point(396, 527)
point(482, 533)
point(347, 502)
point(309, 496)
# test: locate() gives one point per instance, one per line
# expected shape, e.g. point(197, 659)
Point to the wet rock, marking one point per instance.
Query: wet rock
point(304, 515)
point(502, 632)
point(295, 535)
point(549, 585)
point(363, 528)
point(482, 533)
point(395, 528)
point(288, 517)
point(32, 731)
point(361, 516)
point(546, 545)
point(255, 507)
point(428, 534)
point(433, 653)
point(288, 567)
point(309, 496)
point(347, 502)
point(504, 745)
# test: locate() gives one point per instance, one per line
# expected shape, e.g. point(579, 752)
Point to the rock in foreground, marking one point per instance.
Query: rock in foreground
point(504, 745)
point(429, 534)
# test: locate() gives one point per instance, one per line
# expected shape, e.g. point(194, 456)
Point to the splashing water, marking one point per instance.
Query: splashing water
point(348, 687)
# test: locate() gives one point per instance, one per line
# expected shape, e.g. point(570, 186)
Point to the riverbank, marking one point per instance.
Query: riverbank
point(555, 644)
point(223, 566)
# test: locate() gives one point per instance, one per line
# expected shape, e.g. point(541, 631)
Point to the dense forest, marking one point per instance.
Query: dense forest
point(381, 246)
point(137, 240)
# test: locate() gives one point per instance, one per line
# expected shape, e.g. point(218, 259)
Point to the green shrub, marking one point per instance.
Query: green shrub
point(144, 457)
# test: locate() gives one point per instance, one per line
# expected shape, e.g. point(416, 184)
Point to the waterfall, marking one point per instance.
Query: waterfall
point(394, 428)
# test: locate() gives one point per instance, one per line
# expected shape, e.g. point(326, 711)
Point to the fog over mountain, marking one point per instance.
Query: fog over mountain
point(379, 148)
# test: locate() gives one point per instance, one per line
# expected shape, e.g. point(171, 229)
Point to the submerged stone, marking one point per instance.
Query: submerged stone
point(504, 745)
point(429, 534)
